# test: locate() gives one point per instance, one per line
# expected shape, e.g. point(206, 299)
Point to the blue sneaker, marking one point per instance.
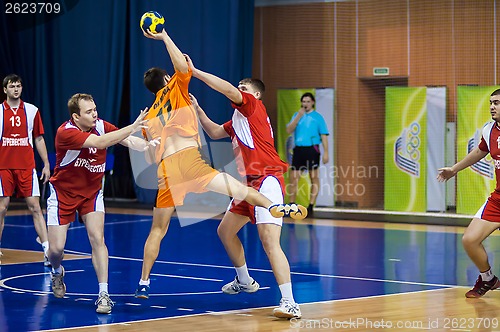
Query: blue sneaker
point(142, 292)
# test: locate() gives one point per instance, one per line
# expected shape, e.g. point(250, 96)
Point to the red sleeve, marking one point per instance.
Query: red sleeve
point(483, 146)
point(37, 125)
point(71, 138)
point(108, 127)
point(228, 127)
point(247, 106)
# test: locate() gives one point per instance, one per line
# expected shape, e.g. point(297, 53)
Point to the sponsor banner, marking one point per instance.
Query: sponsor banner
point(405, 149)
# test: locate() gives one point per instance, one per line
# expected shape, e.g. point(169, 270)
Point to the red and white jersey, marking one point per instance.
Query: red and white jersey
point(252, 137)
point(490, 142)
point(79, 170)
point(18, 128)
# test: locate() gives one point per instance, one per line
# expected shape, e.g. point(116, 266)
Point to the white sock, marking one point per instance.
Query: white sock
point(45, 247)
point(58, 270)
point(487, 276)
point(103, 287)
point(144, 282)
point(243, 276)
point(286, 291)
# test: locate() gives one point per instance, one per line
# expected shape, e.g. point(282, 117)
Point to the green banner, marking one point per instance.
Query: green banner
point(475, 183)
point(405, 149)
point(288, 104)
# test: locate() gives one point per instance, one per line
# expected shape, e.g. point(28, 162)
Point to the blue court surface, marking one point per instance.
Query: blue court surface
point(328, 262)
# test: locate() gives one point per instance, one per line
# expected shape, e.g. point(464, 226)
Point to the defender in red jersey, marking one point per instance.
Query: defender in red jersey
point(258, 162)
point(180, 167)
point(21, 128)
point(487, 218)
point(76, 186)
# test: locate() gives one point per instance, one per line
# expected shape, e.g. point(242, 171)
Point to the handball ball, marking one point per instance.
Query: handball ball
point(152, 21)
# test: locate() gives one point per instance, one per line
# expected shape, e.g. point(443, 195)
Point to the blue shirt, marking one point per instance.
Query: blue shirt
point(309, 129)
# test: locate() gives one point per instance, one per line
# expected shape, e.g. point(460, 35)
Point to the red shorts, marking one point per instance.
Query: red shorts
point(24, 180)
point(490, 211)
point(271, 186)
point(62, 206)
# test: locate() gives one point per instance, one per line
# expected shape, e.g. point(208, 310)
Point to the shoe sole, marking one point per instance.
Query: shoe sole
point(234, 293)
point(280, 314)
point(473, 295)
point(299, 215)
point(103, 311)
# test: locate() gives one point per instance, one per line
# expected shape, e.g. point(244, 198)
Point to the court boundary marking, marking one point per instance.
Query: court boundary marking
point(240, 311)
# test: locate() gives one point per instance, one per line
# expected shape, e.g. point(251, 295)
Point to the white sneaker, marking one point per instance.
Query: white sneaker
point(104, 304)
point(287, 309)
point(46, 261)
point(234, 287)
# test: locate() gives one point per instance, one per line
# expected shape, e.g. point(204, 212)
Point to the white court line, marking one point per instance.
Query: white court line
point(185, 277)
point(270, 271)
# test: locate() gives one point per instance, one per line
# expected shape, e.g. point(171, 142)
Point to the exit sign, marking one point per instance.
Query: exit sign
point(380, 71)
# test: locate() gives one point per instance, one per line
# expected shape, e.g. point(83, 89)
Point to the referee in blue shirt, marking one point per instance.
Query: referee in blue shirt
point(310, 130)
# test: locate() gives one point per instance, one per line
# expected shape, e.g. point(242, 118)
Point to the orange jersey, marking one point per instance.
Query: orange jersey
point(172, 113)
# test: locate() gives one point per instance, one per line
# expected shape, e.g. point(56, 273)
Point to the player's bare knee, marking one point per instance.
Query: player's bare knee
point(468, 240)
point(3, 211)
point(222, 233)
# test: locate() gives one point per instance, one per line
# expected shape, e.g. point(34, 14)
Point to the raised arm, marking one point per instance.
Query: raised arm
point(216, 83)
point(290, 127)
point(176, 56)
point(213, 130)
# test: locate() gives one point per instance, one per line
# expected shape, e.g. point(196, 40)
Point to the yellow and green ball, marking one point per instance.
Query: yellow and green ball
point(153, 21)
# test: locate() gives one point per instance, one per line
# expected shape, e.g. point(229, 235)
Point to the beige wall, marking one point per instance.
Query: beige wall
point(337, 44)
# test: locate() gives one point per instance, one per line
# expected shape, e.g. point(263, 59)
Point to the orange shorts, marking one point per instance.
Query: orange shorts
point(24, 180)
point(181, 173)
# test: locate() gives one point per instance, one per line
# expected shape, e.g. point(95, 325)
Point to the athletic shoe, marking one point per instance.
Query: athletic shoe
point(234, 287)
point(294, 211)
point(104, 304)
point(142, 292)
point(46, 261)
point(287, 309)
point(481, 287)
point(58, 286)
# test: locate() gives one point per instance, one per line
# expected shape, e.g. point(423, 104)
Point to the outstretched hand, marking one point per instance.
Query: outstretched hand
point(194, 101)
point(140, 123)
point(157, 36)
point(152, 144)
point(190, 63)
point(445, 174)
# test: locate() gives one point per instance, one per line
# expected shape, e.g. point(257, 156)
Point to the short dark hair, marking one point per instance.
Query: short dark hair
point(11, 79)
point(496, 92)
point(255, 83)
point(308, 94)
point(73, 102)
point(154, 79)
